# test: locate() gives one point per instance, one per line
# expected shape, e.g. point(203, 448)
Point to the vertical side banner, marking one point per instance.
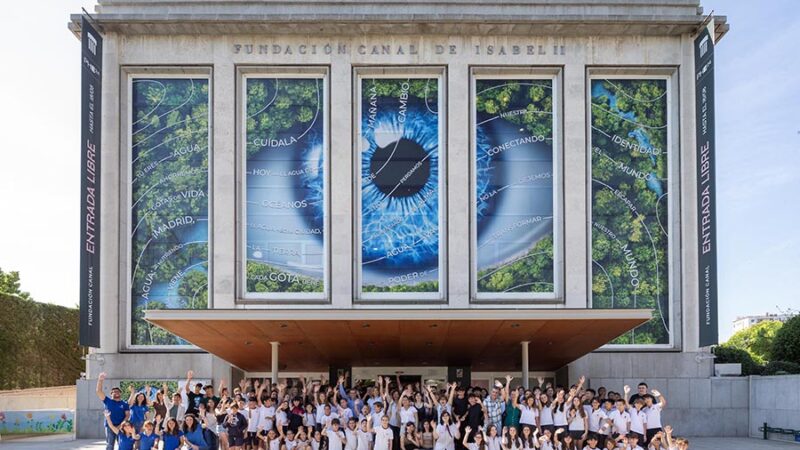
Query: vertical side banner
point(706, 199)
point(91, 79)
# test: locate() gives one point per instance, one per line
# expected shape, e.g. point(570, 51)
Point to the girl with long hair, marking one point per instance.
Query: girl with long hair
point(578, 421)
point(446, 433)
point(193, 433)
point(511, 439)
point(139, 407)
point(171, 435)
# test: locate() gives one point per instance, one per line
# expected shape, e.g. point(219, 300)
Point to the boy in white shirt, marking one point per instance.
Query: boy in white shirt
point(336, 437)
point(620, 419)
point(383, 435)
point(266, 415)
point(653, 412)
point(633, 442)
point(638, 417)
point(591, 440)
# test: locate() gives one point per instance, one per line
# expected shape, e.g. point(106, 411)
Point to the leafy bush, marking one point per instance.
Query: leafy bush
point(731, 355)
point(757, 340)
point(786, 346)
point(781, 368)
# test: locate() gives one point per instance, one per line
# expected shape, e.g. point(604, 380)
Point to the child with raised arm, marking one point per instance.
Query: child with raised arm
point(654, 404)
point(125, 432)
point(446, 433)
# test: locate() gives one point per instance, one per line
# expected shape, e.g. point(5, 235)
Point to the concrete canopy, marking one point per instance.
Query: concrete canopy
point(313, 340)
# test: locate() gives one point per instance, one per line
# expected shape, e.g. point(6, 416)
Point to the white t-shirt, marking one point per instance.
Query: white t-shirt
point(352, 439)
point(291, 444)
point(447, 437)
point(266, 417)
point(546, 415)
point(528, 415)
point(576, 421)
point(252, 419)
point(345, 415)
point(383, 437)
point(560, 415)
point(407, 415)
point(325, 420)
point(364, 439)
point(596, 419)
point(620, 420)
point(275, 444)
point(376, 418)
point(335, 439)
point(281, 419)
point(653, 416)
point(309, 419)
point(493, 443)
point(638, 418)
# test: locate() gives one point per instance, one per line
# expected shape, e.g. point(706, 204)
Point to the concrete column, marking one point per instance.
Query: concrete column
point(525, 365)
point(275, 346)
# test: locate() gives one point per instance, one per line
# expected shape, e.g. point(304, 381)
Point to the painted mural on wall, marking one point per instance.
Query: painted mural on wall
point(37, 421)
point(400, 185)
point(169, 200)
point(514, 186)
point(285, 185)
point(629, 202)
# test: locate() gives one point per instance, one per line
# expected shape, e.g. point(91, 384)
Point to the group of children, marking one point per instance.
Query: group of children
point(383, 415)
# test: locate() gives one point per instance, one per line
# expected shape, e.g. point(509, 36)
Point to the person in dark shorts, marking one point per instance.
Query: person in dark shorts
point(235, 425)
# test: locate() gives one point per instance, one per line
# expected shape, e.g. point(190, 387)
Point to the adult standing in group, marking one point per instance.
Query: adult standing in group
point(495, 405)
point(118, 410)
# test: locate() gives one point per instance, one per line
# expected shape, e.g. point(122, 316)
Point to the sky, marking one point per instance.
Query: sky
point(758, 153)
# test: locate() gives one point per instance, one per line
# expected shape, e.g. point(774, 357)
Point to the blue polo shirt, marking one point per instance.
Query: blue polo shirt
point(137, 414)
point(117, 409)
point(147, 441)
point(126, 442)
point(171, 441)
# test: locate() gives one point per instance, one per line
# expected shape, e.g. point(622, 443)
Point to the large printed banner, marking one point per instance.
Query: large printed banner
point(706, 186)
point(629, 202)
point(400, 185)
point(169, 200)
point(285, 186)
point(91, 94)
point(514, 187)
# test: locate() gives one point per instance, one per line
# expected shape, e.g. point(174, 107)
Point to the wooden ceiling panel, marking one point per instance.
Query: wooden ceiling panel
point(312, 340)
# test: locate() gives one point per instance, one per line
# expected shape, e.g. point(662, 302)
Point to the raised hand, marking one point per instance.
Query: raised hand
point(559, 431)
point(467, 429)
point(102, 376)
point(509, 378)
point(668, 430)
point(656, 393)
point(130, 388)
point(627, 389)
point(582, 379)
point(190, 374)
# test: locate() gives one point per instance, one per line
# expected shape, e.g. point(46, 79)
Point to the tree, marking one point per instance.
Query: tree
point(9, 284)
point(757, 340)
point(786, 346)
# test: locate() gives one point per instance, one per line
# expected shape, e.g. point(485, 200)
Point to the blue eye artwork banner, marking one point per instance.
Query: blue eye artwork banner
point(401, 170)
point(513, 164)
point(169, 207)
point(630, 223)
point(285, 186)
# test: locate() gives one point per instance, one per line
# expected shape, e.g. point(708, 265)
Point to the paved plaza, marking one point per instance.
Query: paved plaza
point(61, 443)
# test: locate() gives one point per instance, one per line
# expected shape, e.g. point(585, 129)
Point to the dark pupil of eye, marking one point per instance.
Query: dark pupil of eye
point(406, 171)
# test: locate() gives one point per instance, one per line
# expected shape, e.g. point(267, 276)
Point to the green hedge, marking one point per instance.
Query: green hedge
point(781, 368)
point(38, 344)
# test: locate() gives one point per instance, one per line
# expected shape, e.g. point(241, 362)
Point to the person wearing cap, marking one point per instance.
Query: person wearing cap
point(118, 410)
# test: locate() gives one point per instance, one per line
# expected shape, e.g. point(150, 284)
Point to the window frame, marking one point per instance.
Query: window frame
point(555, 75)
point(669, 74)
point(127, 75)
point(360, 73)
point(243, 73)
